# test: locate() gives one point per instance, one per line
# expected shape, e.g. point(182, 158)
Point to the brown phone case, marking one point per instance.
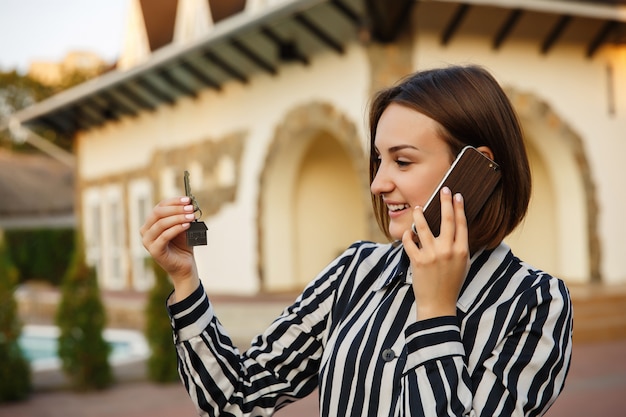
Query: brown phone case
point(474, 176)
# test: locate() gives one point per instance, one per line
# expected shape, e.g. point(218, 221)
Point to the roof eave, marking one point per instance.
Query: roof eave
point(573, 8)
point(229, 27)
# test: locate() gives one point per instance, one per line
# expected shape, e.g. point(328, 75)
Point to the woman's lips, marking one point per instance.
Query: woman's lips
point(396, 210)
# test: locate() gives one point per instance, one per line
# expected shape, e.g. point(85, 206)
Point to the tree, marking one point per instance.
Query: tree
point(162, 365)
point(15, 376)
point(18, 92)
point(81, 319)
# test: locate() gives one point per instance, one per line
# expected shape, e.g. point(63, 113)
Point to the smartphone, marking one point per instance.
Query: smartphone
point(474, 176)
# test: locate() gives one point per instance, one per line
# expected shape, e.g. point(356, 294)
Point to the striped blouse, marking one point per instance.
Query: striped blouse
point(352, 333)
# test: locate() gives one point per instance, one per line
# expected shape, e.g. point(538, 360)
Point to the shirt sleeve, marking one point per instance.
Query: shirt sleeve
point(280, 367)
point(521, 375)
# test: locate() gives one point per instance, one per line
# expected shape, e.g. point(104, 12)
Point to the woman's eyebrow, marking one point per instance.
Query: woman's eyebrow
point(401, 147)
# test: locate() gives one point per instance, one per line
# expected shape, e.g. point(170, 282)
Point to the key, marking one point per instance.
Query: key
point(196, 234)
point(191, 197)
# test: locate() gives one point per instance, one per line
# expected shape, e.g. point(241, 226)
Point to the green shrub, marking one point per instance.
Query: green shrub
point(15, 376)
point(162, 363)
point(42, 254)
point(81, 319)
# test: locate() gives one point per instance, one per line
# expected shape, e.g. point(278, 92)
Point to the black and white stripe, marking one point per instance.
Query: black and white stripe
point(353, 334)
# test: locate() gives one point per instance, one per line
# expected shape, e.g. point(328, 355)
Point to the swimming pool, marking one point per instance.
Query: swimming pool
point(39, 344)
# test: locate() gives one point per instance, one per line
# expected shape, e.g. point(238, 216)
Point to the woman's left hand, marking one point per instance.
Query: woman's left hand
point(439, 264)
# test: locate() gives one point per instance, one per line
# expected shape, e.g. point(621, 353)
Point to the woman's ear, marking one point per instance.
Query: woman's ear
point(485, 150)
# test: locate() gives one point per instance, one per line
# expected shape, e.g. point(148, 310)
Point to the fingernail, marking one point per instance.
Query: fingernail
point(445, 190)
point(190, 216)
point(418, 207)
point(458, 197)
point(188, 208)
point(185, 200)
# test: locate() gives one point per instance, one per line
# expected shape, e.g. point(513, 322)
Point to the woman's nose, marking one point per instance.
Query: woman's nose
point(381, 183)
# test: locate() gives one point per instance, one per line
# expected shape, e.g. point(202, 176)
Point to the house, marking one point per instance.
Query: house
point(53, 73)
point(264, 103)
point(36, 192)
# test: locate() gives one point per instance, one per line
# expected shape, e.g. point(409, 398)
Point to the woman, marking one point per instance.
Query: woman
point(454, 326)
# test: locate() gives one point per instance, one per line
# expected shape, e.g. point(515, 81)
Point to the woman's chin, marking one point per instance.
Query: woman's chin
point(396, 231)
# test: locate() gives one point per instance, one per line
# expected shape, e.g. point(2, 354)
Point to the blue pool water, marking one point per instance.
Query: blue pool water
point(39, 345)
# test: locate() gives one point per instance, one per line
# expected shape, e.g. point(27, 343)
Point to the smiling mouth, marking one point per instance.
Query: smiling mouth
point(397, 207)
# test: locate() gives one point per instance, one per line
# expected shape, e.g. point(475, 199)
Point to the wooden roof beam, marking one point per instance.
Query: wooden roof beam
point(151, 89)
point(200, 75)
point(350, 14)
point(454, 23)
point(225, 66)
point(126, 91)
point(555, 33)
point(118, 104)
point(173, 82)
point(601, 37)
point(253, 56)
point(506, 29)
point(319, 33)
point(287, 50)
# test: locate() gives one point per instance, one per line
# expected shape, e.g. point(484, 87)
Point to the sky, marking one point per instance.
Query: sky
point(47, 30)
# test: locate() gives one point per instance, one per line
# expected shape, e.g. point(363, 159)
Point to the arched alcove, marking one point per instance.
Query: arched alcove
point(536, 240)
point(329, 213)
point(560, 232)
point(314, 198)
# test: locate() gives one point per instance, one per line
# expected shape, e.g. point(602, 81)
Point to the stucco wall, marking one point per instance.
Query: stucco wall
point(229, 262)
point(579, 129)
point(578, 92)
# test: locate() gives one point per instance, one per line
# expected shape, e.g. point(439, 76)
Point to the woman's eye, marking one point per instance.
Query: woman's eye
point(402, 163)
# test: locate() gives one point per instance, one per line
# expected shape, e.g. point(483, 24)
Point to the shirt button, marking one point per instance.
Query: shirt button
point(388, 355)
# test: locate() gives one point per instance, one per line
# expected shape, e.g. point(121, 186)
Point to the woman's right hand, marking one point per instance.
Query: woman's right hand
point(163, 236)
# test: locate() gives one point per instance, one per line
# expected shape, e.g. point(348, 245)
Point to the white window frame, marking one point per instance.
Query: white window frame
point(140, 202)
point(92, 229)
point(114, 238)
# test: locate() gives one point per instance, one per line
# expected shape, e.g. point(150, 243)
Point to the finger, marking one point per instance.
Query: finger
point(420, 226)
point(410, 246)
point(461, 230)
point(168, 219)
point(166, 208)
point(447, 227)
point(172, 234)
point(163, 231)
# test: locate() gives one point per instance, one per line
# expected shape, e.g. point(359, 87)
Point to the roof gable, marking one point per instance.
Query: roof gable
point(159, 17)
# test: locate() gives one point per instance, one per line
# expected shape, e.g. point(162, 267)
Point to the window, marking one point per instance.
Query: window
point(114, 261)
point(103, 225)
point(92, 228)
point(140, 203)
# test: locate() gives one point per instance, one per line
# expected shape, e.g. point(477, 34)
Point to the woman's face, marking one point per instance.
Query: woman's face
point(413, 159)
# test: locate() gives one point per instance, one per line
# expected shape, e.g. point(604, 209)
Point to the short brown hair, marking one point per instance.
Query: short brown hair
point(471, 109)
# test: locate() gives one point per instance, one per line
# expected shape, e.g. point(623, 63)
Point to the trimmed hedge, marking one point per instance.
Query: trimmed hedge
point(81, 318)
point(15, 375)
point(162, 363)
point(41, 254)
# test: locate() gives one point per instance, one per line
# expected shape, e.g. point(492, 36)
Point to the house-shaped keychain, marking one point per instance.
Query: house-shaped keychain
point(196, 234)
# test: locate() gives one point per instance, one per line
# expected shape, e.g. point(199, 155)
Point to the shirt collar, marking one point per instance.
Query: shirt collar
point(483, 268)
point(486, 266)
point(396, 268)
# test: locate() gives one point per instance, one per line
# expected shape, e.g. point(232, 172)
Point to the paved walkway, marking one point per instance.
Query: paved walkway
point(596, 386)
